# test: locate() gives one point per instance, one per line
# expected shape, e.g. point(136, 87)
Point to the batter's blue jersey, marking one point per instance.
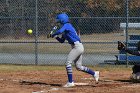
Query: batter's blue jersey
point(69, 33)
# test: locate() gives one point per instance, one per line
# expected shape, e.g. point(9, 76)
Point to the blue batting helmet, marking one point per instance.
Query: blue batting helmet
point(62, 18)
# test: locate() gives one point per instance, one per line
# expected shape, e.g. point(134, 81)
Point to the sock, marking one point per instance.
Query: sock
point(89, 71)
point(69, 73)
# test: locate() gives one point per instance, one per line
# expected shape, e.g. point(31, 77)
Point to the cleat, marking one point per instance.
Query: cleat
point(68, 84)
point(96, 76)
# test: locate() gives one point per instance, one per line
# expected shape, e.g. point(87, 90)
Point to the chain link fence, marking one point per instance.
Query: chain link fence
point(97, 22)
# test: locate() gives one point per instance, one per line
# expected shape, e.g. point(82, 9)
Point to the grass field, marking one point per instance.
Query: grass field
point(50, 79)
point(14, 68)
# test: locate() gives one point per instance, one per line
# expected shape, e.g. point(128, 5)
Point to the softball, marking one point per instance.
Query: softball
point(30, 31)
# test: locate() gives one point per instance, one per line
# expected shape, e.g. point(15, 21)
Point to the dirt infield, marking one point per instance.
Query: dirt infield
point(51, 81)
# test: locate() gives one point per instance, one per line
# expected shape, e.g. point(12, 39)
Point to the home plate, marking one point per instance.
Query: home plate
point(107, 80)
point(81, 83)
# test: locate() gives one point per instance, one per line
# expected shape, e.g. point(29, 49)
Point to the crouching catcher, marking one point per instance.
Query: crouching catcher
point(136, 68)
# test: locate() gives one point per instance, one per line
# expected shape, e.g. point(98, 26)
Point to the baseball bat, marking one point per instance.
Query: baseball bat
point(52, 31)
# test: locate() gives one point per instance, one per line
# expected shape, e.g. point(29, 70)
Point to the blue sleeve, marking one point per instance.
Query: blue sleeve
point(60, 31)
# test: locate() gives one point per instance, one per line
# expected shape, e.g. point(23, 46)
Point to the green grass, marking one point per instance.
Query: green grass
point(114, 68)
point(16, 68)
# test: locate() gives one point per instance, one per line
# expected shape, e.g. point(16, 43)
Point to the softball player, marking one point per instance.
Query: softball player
point(136, 67)
point(75, 55)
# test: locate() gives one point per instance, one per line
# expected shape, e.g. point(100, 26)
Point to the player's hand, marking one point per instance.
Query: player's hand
point(53, 36)
point(121, 45)
point(55, 28)
point(49, 35)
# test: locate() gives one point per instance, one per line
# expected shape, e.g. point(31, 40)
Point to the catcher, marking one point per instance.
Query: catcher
point(69, 33)
point(136, 67)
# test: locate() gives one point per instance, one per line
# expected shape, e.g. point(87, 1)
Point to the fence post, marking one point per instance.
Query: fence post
point(126, 29)
point(36, 33)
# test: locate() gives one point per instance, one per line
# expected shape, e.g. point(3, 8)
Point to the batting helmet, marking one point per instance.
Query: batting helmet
point(62, 18)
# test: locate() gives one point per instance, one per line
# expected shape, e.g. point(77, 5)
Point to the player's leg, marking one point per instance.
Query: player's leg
point(80, 67)
point(70, 82)
point(71, 57)
point(136, 68)
point(78, 64)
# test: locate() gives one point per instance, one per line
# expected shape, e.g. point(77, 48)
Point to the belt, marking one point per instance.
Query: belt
point(73, 43)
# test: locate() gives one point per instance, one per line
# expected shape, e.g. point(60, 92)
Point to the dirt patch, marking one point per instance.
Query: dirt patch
point(52, 82)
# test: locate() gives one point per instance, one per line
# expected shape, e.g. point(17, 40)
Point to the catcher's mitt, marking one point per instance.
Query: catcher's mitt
point(121, 45)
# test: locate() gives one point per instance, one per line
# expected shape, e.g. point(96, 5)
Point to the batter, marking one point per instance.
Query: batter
point(75, 55)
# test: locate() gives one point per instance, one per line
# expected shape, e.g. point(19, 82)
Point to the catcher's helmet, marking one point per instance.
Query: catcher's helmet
point(62, 18)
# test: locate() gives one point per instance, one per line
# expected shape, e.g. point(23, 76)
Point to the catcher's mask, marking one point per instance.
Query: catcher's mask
point(62, 18)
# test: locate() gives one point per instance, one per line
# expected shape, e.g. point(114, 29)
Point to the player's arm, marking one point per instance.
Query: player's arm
point(133, 52)
point(61, 40)
point(60, 31)
point(121, 46)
